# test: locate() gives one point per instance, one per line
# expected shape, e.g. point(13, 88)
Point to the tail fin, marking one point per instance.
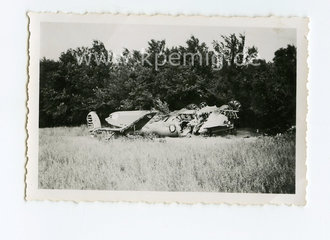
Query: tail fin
point(93, 121)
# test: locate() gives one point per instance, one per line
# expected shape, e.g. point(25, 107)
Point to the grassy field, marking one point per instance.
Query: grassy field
point(70, 159)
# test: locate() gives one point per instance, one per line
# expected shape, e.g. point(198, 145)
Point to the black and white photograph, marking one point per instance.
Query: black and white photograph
point(161, 120)
point(160, 108)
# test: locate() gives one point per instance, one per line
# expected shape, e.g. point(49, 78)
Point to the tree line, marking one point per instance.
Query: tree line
point(70, 88)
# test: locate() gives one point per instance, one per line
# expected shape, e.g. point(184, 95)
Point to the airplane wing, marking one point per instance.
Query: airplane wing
point(140, 122)
point(105, 129)
point(129, 120)
point(215, 120)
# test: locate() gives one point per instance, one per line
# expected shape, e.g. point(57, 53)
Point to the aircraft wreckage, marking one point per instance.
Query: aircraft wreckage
point(192, 120)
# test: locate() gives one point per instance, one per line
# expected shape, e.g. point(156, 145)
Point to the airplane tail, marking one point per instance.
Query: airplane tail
point(93, 121)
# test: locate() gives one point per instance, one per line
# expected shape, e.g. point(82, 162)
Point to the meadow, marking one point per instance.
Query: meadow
point(70, 159)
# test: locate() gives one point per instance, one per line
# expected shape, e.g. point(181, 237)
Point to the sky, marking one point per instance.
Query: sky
point(58, 37)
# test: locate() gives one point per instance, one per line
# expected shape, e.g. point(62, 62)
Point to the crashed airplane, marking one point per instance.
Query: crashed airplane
point(204, 120)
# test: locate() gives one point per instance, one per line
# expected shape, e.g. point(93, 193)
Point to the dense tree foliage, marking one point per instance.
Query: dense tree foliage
point(86, 79)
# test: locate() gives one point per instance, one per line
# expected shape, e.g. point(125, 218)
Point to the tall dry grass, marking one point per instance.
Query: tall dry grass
point(70, 159)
